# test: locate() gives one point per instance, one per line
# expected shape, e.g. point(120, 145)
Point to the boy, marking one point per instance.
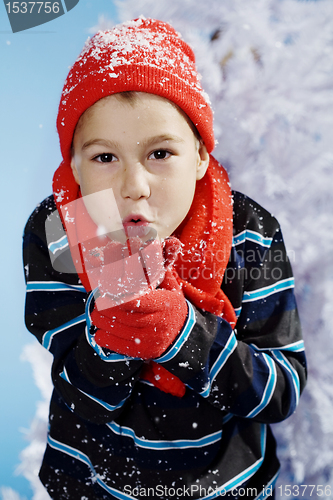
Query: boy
point(172, 321)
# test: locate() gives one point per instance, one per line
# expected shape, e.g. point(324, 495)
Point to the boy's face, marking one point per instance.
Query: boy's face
point(147, 153)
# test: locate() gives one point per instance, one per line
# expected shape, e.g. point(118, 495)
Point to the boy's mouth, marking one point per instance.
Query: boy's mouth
point(134, 219)
point(136, 225)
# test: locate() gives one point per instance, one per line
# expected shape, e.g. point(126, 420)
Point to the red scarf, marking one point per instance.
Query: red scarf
point(206, 235)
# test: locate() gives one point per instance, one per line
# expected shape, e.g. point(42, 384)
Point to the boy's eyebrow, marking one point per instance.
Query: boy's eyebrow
point(101, 142)
point(162, 138)
point(147, 142)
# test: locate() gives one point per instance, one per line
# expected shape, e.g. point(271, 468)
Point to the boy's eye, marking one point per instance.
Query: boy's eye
point(160, 154)
point(105, 158)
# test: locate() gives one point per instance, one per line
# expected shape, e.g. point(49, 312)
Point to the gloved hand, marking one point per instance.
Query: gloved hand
point(146, 326)
point(123, 271)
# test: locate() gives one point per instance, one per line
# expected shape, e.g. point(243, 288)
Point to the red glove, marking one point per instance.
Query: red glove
point(122, 271)
point(146, 326)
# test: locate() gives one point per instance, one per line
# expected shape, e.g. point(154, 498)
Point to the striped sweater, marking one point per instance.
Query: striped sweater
point(115, 435)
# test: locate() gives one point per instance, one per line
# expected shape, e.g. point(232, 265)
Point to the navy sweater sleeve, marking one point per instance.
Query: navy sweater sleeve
point(93, 382)
point(258, 370)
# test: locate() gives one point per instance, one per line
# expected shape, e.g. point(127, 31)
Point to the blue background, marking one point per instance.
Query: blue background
point(34, 65)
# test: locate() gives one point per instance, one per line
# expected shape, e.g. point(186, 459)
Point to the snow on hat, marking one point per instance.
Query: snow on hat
point(143, 55)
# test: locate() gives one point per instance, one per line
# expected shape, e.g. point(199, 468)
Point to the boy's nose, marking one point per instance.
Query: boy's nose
point(135, 184)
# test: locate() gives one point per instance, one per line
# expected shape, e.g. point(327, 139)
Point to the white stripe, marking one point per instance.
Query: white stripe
point(294, 375)
point(294, 347)
point(58, 245)
point(266, 399)
point(109, 357)
point(78, 455)
point(219, 363)
point(107, 406)
point(243, 476)
point(266, 291)
point(238, 311)
point(48, 336)
point(248, 235)
point(52, 286)
point(188, 327)
point(163, 444)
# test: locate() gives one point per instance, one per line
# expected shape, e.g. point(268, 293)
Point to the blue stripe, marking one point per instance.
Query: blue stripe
point(295, 347)
point(78, 455)
point(52, 286)
point(269, 389)
point(238, 311)
point(277, 303)
point(230, 485)
point(164, 445)
point(268, 290)
point(187, 329)
point(227, 417)
point(48, 336)
point(109, 357)
point(105, 405)
point(58, 245)
point(245, 475)
point(68, 450)
point(282, 360)
point(251, 236)
point(219, 363)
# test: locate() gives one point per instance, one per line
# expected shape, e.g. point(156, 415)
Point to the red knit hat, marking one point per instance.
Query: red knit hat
point(143, 55)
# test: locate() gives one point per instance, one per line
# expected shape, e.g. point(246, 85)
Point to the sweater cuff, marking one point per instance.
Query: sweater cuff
point(182, 338)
